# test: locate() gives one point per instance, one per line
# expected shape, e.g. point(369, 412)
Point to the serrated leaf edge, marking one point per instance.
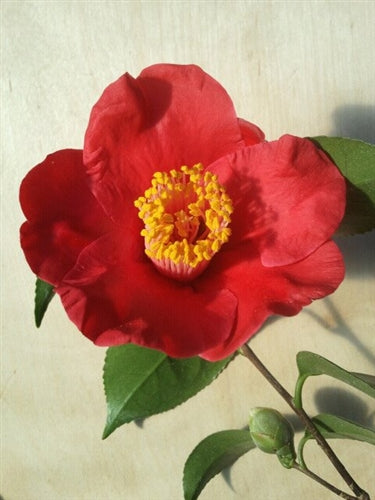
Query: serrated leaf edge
point(105, 435)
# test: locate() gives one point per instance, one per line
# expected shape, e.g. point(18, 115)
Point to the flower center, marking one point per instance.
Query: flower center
point(186, 214)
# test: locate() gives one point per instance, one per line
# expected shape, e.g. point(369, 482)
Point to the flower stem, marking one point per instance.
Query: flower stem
point(300, 412)
point(324, 483)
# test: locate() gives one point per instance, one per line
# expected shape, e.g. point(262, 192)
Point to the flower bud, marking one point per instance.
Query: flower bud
point(272, 433)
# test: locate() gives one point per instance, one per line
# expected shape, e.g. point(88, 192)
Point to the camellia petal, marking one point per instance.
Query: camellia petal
point(167, 117)
point(63, 216)
point(114, 295)
point(263, 291)
point(289, 197)
point(251, 134)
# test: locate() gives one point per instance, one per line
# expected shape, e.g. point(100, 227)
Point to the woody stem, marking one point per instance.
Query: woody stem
point(323, 482)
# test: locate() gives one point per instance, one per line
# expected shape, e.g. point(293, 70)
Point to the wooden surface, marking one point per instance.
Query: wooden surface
point(306, 68)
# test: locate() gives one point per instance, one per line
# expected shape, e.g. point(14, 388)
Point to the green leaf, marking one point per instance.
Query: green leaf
point(211, 456)
point(334, 427)
point(140, 382)
point(43, 295)
point(370, 379)
point(310, 364)
point(356, 161)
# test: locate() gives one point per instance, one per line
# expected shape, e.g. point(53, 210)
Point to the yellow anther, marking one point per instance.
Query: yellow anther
point(186, 214)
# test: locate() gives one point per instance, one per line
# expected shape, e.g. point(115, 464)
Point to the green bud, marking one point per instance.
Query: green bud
point(272, 433)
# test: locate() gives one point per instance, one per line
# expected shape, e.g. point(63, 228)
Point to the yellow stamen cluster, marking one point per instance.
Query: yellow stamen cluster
point(186, 214)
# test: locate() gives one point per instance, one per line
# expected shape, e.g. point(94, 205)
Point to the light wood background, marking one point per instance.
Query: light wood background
point(306, 68)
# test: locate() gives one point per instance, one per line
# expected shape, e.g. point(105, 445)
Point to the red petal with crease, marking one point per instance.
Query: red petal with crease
point(167, 117)
point(63, 215)
point(114, 295)
point(262, 291)
point(289, 198)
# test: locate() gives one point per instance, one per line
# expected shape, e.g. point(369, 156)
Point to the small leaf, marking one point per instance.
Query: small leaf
point(310, 364)
point(43, 295)
point(356, 161)
point(140, 382)
point(211, 456)
point(334, 427)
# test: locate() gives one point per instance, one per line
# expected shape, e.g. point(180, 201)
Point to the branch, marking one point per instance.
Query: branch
point(357, 490)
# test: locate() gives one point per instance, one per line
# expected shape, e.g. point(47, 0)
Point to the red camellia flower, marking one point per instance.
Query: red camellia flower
point(178, 227)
